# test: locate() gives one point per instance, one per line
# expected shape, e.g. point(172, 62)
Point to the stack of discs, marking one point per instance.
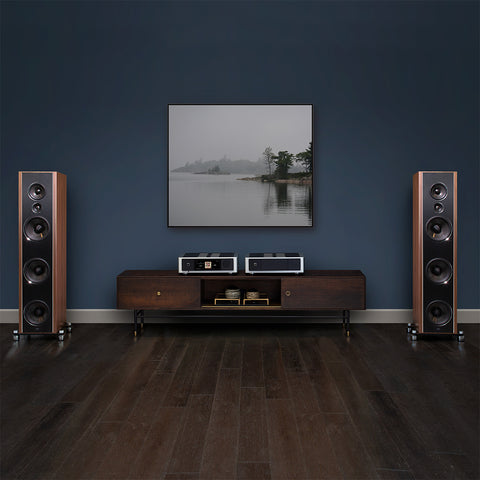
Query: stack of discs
point(232, 292)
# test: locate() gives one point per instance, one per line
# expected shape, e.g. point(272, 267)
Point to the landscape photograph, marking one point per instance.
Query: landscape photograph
point(240, 165)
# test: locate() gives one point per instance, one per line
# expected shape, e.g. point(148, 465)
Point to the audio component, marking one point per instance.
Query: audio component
point(216, 263)
point(274, 263)
point(435, 253)
point(42, 211)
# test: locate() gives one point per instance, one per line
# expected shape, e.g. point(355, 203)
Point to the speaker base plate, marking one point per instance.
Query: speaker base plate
point(413, 335)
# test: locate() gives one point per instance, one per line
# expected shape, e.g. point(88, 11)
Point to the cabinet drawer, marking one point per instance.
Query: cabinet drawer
point(152, 293)
point(324, 293)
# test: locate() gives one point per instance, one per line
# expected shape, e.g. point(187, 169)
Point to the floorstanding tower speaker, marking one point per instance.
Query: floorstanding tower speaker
point(42, 211)
point(435, 252)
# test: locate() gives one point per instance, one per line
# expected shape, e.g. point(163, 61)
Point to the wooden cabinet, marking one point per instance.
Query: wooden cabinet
point(157, 292)
point(333, 291)
point(316, 290)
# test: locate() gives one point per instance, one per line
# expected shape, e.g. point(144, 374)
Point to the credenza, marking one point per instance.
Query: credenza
point(322, 291)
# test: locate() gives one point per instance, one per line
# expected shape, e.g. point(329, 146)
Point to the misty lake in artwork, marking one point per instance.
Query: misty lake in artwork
point(240, 165)
point(224, 200)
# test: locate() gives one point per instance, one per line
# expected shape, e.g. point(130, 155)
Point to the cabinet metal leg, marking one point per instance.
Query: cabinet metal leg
point(138, 316)
point(135, 316)
point(346, 322)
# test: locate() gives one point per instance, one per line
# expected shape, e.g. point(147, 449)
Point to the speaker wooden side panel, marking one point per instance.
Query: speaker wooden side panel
point(59, 266)
point(455, 243)
point(20, 254)
point(417, 296)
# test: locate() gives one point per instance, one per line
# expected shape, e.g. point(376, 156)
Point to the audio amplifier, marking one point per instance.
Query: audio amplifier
point(274, 263)
point(216, 263)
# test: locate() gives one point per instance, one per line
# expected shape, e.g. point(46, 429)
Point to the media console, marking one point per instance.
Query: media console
point(314, 291)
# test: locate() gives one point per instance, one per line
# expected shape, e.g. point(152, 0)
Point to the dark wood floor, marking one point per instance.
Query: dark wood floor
point(239, 402)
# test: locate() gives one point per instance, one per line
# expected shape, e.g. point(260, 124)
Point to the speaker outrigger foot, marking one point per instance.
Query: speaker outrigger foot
point(60, 334)
point(460, 336)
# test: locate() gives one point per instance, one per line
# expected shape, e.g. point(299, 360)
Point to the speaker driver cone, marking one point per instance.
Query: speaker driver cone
point(438, 191)
point(36, 191)
point(36, 228)
point(439, 229)
point(36, 270)
point(36, 312)
point(439, 312)
point(439, 270)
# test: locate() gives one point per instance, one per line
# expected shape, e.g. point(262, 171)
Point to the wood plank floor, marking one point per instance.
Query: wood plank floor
point(239, 402)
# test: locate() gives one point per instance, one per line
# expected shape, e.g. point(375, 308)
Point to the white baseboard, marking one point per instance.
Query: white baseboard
point(126, 316)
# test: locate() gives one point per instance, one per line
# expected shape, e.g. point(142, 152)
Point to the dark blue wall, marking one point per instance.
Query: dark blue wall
point(85, 88)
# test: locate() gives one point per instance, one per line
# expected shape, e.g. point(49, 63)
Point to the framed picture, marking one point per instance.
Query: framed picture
point(240, 165)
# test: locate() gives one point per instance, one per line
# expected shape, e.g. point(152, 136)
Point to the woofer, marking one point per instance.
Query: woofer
point(439, 229)
point(36, 313)
point(439, 313)
point(36, 228)
point(439, 271)
point(36, 270)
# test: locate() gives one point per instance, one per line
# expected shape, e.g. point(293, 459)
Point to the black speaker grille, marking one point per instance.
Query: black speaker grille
point(37, 255)
point(438, 251)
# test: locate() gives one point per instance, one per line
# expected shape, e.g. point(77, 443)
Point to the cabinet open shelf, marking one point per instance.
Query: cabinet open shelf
point(269, 288)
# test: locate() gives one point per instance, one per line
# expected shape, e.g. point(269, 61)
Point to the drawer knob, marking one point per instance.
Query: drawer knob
point(288, 293)
point(159, 293)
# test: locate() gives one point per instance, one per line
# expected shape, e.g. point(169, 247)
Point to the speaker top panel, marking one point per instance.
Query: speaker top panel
point(40, 171)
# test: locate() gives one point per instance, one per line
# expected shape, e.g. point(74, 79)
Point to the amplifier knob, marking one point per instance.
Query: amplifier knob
point(159, 293)
point(288, 293)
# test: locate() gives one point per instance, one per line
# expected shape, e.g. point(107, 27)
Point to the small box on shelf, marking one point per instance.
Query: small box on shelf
point(262, 299)
point(221, 299)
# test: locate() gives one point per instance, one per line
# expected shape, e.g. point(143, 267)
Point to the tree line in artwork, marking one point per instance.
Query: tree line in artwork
point(278, 165)
point(222, 165)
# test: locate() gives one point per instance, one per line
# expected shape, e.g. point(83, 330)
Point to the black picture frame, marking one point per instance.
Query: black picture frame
point(240, 165)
